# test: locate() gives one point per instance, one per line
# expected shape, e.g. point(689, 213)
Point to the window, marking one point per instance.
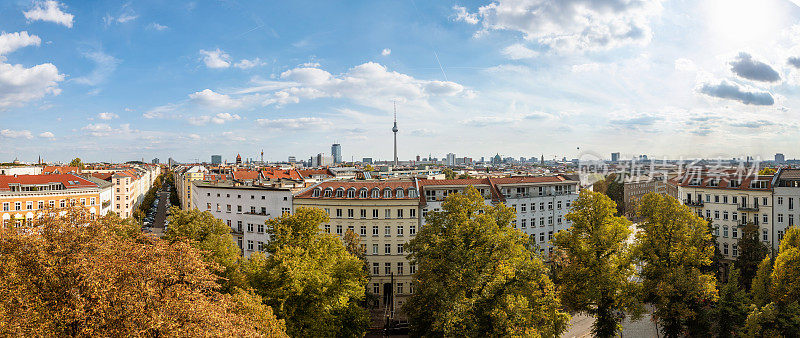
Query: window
point(412, 213)
point(725, 215)
point(249, 226)
point(725, 248)
point(716, 198)
point(387, 249)
point(340, 192)
point(387, 268)
point(533, 207)
point(260, 246)
point(549, 235)
point(363, 213)
point(765, 218)
point(375, 249)
point(550, 205)
point(338, 229)
point(399, 213)
point(351, 193)
point(261, 228)
point(229, 208)
point(387, 193)
point(399, 287)
point(399, 230)
point(764, 235)
point(238, 208)
point(412, 268)
point(412, 230)
point(523, 207)
point(735, 250)
point(29, 204)
point(735, 231)
point(399, 193)
point(763, 201)
point(376, 288)
point(399, 251)
point(374, 230)
point(363, 230)
point(524, 223)
point(558, 205)
point(376, 193)
point(780, 200)
point(339, 213)
point(349, 213)
point(387, 231)
point(780, 235)
point(780, 218)
point(5, 206)
point(716, 230)
point(376, 270)
point(725, 199)
point(541, 237)
point(725, 231)
point(362, 193)
point(716, 214)
point(374, 213)
point(250, 245)
point(387, 213)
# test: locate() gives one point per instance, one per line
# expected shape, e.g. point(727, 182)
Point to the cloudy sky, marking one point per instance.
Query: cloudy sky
point(116, 81)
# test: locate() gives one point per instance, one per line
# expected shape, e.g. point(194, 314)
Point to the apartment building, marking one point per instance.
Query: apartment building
point(23, 196)
point(731, 199)
point(130, 184)
point(183, 178)
point(385, 216)
point(786, 195)
point(634, 188)
point(540, 202)
point(243, 207)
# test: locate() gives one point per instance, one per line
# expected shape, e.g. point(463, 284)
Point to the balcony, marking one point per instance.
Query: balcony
point(691, 203)
point(237, 231)
point(747, 207)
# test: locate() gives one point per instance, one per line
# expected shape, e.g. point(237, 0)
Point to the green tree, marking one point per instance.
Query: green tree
point(759, 289)
point(672, 249)
point(309, 278)
point(751, 253)
point(213, 238)
point(731, 310)
point(766, 171)
point(465, 176)
point(595, 274)
point(717, 266)
point(449, 174)
point(76, 162)
point(476, 276)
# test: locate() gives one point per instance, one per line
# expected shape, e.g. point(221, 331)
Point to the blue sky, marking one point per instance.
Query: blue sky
point(116, 81)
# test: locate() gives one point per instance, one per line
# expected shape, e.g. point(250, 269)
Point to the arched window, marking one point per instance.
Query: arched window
point(399, 193)
point(316, 192)
point(376, 193)
point(362, 193)
point(387, 193)
point(412, 193)
point(351, 193)
point(340, 192)
point(327, 192)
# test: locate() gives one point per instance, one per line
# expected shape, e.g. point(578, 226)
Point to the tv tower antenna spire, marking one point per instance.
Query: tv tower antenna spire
point(394, 130)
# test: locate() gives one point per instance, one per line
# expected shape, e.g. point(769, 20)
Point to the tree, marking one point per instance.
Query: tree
point(595, 275)
point(76, 162)
point(731, 310)
point(751, 253)
point(309, 278)
point(213, 238)
point(464, 176)
point(69, 275)
point(672, 248)
point(448, 173)
point(477, 277)
point(759, 288)
point(612, 186)
point(767, 171)
point(717, 267)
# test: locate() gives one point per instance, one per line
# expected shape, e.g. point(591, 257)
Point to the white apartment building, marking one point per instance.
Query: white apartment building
point(183, 185)
point(541, 202)
point(786, 194)
point(731, 200)
point(244, 208)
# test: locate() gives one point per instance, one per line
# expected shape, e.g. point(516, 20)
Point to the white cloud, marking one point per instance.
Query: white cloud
point(517, 51)
point(386, 52)
point(47, 134)
point(247, 64)
point(126, 15)
point(107, 116)
point(105, 65)
point(233, 136)
point(216, 58)
point(104, 129)
point(18, 84)
point(301, 123)
point(586, 67)
point(49, 10)
point(209, 98)
point(156, 26)
point(463, 15)
point(16, 133)
point(569, 25)
point(10, 42)
point(194, 136)
point(219, 118)
point(685, 65)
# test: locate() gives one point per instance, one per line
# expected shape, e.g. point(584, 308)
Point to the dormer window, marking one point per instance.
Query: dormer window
point(412, 193)
point(758, 184)
point(316, 192)
point(362, 193)
point(734, 183)
point(340, 192)
point(387, 193)
point(327, 192)
point(351, 193)
point(376, 193)
point(399, 193)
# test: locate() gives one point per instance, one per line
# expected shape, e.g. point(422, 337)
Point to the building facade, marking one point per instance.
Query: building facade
point(384, 214)
point(786, 195)
point(244, 208)
point(23, 196)
point(634, 188)
point(731, 200)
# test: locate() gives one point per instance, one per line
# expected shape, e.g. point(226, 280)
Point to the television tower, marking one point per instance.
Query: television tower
point(394, 130)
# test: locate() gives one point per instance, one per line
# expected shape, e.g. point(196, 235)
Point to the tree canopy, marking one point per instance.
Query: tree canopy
point(673, 247)
point(594, 266)
point(76, 162)
point(309, 278)
point(476, 276)
point(68, 275)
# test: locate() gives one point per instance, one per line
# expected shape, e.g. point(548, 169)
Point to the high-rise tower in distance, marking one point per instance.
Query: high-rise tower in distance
point(336, 153)
point(394, 130)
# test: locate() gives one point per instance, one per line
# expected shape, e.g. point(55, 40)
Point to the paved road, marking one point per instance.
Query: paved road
point(161, 213)
point(581, 326)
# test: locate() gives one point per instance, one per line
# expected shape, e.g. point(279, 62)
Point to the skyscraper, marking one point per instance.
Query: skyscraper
point(238, 159)
point(394, 130)
point(779, 158)
point(614, 157)
point(216, 159)
point(336, 152)
point(451, 159)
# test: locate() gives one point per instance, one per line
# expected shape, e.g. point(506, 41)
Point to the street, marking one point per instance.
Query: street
point(161, 213)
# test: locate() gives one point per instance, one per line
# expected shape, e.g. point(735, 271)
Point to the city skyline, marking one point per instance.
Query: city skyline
point(121, 81)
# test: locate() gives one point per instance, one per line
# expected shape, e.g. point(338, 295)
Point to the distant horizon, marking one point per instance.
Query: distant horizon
point(126, 80)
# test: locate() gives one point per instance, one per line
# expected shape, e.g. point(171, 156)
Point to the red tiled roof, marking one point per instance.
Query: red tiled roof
point(60, 170)
point(724, 177)
point(64, 179)
point(245, 175)
point(309, 172)
point(102, 176)
point(276, 173)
